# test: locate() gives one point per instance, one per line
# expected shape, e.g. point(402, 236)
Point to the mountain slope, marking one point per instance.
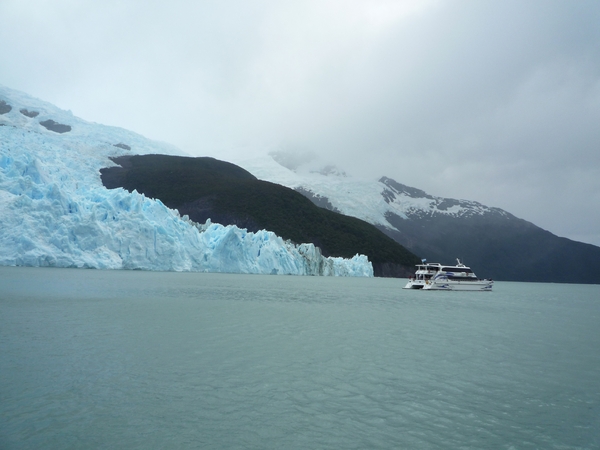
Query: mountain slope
point(494, 242)
point(205, 188)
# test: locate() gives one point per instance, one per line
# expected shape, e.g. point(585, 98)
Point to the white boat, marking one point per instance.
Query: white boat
point(438, 277)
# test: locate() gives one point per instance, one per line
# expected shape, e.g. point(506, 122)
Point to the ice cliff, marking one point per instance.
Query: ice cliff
point(54, 210)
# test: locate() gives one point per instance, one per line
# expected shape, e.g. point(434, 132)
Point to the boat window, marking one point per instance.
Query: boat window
point(457, 269)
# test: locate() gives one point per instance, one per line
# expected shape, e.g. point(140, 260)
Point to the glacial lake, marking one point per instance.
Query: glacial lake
point(95, 359)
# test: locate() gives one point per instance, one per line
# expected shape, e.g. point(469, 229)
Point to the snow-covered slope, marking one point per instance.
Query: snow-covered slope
point(54, 210)
point(371, 200)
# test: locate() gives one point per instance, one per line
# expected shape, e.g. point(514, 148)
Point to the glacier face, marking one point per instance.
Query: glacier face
point(54, 210)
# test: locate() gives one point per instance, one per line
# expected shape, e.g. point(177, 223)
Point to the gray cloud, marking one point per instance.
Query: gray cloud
point(497, 102)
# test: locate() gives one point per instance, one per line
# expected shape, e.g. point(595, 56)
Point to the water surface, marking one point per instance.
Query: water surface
point(130, 359)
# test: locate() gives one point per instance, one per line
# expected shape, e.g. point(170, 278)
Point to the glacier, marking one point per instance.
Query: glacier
point(54, 210)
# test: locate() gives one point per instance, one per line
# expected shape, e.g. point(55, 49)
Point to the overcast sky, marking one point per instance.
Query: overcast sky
point(493, 101)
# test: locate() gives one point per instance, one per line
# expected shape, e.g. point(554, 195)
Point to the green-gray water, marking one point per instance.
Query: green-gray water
point(125, 360)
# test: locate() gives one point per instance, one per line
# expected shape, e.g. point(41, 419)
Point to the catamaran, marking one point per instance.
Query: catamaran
point(438, 277)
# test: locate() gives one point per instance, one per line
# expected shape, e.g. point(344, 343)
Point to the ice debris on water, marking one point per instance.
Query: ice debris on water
point(54, 210)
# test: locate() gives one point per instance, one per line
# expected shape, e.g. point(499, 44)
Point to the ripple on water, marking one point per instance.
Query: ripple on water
point(163, 360)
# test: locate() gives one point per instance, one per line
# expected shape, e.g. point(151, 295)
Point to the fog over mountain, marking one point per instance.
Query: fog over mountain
point(495, 102)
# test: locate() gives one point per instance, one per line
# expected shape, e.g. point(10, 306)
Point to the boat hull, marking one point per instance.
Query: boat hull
point(455, 285)
point(415, 284)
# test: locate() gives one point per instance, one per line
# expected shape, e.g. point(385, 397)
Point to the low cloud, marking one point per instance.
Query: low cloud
point(497, 102)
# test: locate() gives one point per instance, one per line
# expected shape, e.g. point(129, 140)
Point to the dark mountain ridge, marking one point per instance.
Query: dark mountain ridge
point(503, 248)
point(204, 188)
point(495, 243)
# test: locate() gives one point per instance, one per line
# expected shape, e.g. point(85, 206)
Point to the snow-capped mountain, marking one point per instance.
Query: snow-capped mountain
point(54, 210)
point(492, 241)
point(371, 200)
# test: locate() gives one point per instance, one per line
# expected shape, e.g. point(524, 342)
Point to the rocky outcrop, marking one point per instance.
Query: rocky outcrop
point(4, 107)
point(55, 126)
point(319, 200)
point(123, 146)
point(28, 113)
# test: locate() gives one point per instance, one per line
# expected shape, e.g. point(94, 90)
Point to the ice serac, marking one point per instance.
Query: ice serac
point(54, 210)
